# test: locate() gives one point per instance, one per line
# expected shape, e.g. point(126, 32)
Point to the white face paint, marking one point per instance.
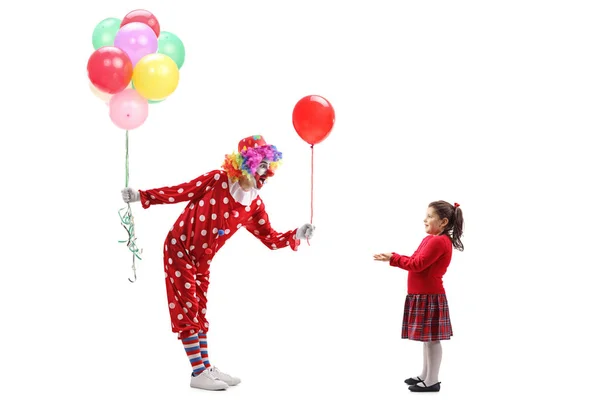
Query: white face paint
point(260, 177)
point(262, 168)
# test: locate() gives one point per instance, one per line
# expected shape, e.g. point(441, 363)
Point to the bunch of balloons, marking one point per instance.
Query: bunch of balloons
point(134, 64)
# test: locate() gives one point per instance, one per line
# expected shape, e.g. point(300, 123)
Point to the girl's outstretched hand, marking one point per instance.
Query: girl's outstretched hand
point(382, 257)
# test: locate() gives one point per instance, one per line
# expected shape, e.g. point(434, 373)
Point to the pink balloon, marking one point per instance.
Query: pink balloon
point(136, 40)
point(128, 109)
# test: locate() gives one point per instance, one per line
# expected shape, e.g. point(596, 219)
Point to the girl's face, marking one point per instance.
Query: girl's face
point(433, 224)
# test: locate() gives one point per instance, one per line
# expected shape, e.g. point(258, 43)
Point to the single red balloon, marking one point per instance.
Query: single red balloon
point(143, 16)
point(313, 118)
point(110, 69)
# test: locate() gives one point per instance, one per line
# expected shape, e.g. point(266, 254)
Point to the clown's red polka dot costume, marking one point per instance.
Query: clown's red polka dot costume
point(219, 203)
point(210, 218)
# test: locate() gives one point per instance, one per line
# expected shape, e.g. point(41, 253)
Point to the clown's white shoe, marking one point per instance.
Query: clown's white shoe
point(222, 376)
point(207, 381)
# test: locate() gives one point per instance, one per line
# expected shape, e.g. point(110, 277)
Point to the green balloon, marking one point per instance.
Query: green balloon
point(149, 101)
point(105, 32)
point(170, 45)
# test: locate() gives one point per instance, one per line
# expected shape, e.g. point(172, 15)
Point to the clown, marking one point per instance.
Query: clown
point(220, 202)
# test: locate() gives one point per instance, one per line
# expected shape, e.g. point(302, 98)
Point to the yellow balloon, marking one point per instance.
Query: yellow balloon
point(155, 76)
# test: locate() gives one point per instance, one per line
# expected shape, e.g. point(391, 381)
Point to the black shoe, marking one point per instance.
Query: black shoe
point(432, 388)
point(412, 381)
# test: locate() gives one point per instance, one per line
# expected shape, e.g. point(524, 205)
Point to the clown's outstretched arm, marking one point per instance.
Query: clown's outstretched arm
point(174, 194)
point(260, 227)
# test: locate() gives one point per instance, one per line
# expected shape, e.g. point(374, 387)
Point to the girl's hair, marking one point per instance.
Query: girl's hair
point(247, 161)
point(454, 229)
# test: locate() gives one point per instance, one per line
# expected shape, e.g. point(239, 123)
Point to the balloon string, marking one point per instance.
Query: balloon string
point(127, 158)
point(126, 216)
point(312, 175)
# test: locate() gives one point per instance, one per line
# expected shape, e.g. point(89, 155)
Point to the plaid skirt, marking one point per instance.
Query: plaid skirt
point(426, 318)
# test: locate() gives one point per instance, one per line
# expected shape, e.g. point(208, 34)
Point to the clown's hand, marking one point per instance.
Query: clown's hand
point(130, 195)
point(306, 231)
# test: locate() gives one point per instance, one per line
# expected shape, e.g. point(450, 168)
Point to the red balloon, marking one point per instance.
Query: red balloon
point(313, 118)
point(143, 16)
point(110, 69)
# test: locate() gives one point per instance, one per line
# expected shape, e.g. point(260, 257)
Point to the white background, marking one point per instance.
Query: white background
point(490, 104)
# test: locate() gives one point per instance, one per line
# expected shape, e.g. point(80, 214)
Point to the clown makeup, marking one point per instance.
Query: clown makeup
point(262, 168)
point(259, 178)
point(261, 175)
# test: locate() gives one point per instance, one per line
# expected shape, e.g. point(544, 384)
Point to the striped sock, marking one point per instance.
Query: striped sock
point(192, 349)
point(204, 349)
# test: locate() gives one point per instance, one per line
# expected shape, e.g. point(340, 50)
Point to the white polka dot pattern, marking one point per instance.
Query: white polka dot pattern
point(205, 224)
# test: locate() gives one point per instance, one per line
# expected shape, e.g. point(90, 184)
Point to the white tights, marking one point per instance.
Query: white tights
point(432, 358)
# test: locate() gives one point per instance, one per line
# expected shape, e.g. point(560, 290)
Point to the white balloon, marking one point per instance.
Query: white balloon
point(105, 97)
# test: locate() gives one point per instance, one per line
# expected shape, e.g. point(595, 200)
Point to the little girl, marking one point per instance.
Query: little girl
point(426, 313)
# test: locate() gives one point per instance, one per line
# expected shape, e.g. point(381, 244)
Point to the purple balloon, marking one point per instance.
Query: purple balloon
point(136, 40)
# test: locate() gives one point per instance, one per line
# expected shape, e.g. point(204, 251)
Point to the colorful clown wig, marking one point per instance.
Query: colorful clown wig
point(246, 162)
